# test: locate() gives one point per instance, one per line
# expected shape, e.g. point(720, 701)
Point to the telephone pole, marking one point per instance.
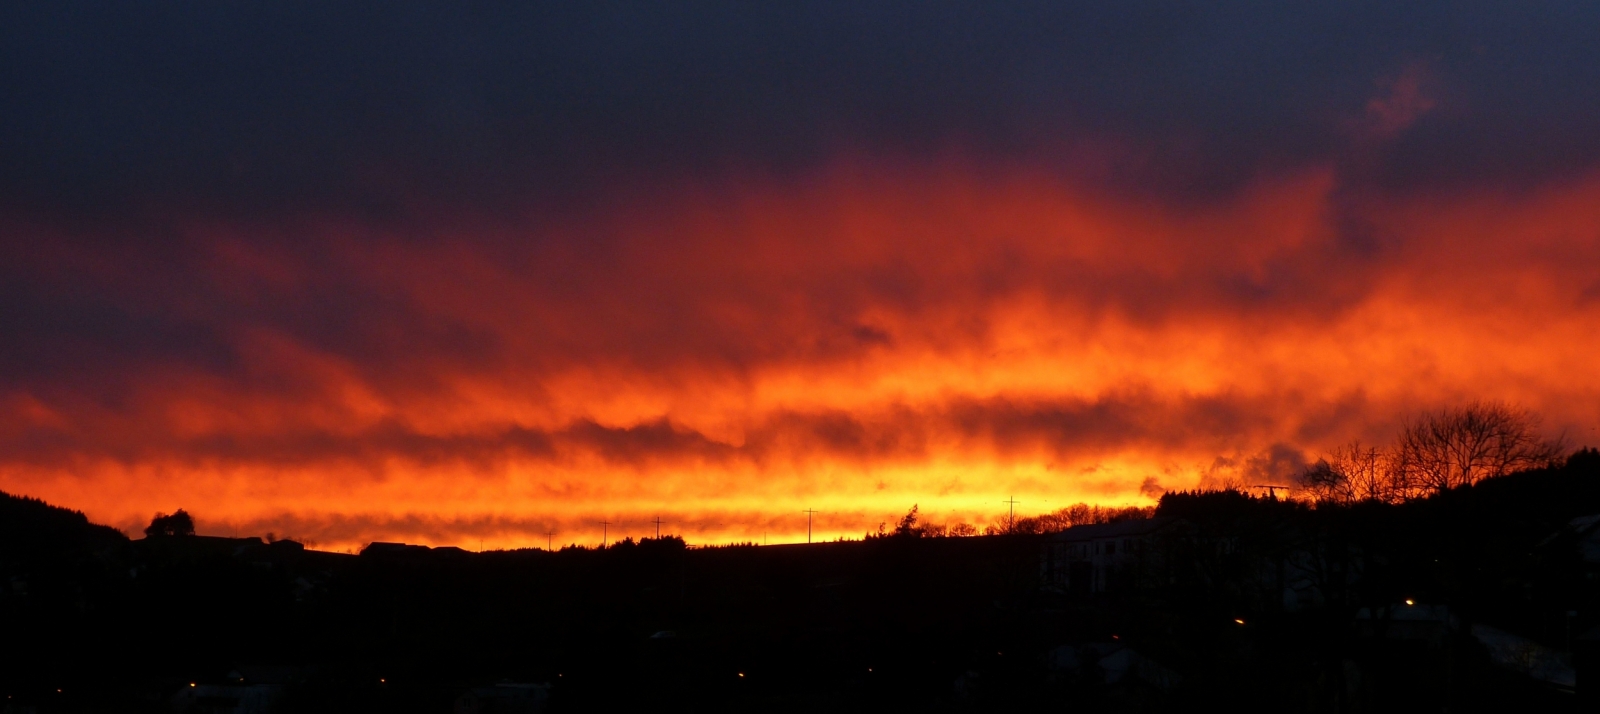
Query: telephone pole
point(604, 533)
point(1011, 517)
point(658, 527)
point(549, 540)
point(809, 513)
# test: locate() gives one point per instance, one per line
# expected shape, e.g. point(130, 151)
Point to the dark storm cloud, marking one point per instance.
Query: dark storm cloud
point(369, 107)
point(1002, 428)
point(103, 304)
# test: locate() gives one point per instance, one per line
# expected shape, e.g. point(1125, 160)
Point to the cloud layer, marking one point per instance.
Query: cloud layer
point(447, 277)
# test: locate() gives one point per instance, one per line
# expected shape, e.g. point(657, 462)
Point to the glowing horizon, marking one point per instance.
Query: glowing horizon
point(954, 395)
point(569, 267)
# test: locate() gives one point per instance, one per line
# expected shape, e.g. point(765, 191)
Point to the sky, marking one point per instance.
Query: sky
point(491, 273)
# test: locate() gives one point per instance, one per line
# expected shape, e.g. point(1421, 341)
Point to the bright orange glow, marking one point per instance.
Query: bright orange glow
point(726, 357)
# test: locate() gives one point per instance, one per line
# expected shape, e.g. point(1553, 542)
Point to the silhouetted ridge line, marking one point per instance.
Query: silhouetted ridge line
point(31, 529)
point(1186, 609)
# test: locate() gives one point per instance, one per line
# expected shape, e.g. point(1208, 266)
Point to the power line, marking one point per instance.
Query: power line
point(809, 513)
point(1272, 490)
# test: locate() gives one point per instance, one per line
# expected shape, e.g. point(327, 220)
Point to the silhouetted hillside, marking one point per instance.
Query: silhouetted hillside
point(35, 533)
point(1223, 600)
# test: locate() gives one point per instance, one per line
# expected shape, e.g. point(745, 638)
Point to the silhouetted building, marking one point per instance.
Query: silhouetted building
point(1586, 666)
point(245, 690)
point(1586, 646)
point(504, 698)
point(186, 548)
point(1587, 530)
point(381, 548)
point(1100, 558)
point(1425, 623)
point(1527, 657)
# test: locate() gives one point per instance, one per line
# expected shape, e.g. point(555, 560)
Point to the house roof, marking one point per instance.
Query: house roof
point(379, 547)
point(1119, 529)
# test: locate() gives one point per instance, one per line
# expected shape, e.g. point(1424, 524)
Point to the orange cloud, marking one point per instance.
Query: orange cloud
point(854, 341)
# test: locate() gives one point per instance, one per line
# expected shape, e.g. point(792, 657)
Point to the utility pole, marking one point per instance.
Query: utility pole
point(658, 527)
point(549, 540)
point(604, 533)
point(809, 513)
point(1011, 518)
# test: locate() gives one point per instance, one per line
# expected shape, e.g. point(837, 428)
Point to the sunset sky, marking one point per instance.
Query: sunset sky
point(463, 273)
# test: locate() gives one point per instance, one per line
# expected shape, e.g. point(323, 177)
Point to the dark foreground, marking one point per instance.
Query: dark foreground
point(1222, 601)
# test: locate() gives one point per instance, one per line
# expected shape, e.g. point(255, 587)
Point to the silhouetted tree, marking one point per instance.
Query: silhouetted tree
point(911, 525)
point(1462, 446)
point(1435, 452)
point(1586, 458)
point(177, 524)
point(1023, 524)
point(1326, 483)
point(1355, 472)
point(907, 527)
point(1083, 514)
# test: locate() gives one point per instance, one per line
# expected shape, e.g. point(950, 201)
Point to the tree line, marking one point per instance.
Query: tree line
point(1435, 452)
point(911, 525)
